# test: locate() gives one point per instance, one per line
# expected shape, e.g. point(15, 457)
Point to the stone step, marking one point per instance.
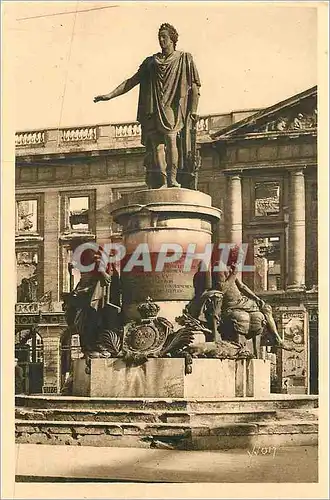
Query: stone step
point(275, 402)
point(298, 414)
point(173, 435)
point(152, 416)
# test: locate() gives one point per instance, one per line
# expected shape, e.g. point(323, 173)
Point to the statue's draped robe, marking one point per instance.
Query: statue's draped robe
point(165, 97)
point(91, 292)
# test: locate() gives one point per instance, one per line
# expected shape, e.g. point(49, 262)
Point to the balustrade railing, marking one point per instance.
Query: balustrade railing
point(128, 130)
point(29, 138)
point(89, 134)
point(134, 129)
point(79, 134)
point(203, 124)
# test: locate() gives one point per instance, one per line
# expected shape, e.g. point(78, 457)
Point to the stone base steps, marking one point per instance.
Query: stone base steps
point(274, 402)
point(187, 424)
point(167, 435)
point(151, 416)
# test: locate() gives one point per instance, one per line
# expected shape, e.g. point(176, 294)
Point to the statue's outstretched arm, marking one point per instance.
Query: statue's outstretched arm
point(247, 291)
point(123, 88)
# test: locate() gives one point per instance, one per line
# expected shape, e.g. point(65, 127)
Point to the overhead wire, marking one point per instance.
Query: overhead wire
point(66, 12)
point(67, 69)
point(75, 12)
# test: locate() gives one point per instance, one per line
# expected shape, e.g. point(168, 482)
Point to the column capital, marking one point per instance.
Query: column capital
point(233, 173)
point(236, 177)
point(297, 171)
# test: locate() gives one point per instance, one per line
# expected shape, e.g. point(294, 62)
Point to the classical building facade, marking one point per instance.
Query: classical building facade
point(259, 166)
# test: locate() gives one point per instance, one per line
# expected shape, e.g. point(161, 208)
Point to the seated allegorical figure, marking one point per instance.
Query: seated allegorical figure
point(229, 307)
point(242, 310)
point(93, 306)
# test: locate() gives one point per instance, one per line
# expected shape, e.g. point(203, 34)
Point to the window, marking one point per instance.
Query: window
point(71, 275)
point(266, 198)
point(27, 277)
point(267, 261)
point(26, 216)
point(29, 346)
point(78, 213)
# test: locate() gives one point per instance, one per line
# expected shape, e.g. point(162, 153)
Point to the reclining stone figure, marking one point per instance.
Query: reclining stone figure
point(231, 310)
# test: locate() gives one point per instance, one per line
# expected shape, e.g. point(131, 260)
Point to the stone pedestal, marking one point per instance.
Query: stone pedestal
point(161, 378)
point(114, 379)
point(165, 378)
point(258, 378)
point(252, 378)
point(240, 378)
point(211, 378)
point(156, 224)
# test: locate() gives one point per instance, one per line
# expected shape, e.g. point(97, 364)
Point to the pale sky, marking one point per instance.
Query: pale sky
point(248, 55)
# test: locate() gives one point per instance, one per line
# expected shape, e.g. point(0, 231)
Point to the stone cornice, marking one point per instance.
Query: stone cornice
point(28, 238)
point(272, 136)
point(275, 164)
point(69, 236)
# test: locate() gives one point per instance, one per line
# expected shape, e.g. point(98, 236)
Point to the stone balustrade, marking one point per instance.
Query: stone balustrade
point(30, 138)
point(79, 134)
point(105, 136)
point(128, 130)
point(203, 124)
point(134, 129)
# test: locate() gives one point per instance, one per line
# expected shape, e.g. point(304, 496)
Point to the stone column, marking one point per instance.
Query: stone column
point(103, 218)
point(234, 209)
point(296, 236)
point(51, 243)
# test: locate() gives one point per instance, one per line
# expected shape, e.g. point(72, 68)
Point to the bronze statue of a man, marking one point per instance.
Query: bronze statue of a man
point(168, 100)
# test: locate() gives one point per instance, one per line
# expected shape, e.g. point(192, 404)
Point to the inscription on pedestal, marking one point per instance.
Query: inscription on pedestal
point(173, 283)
